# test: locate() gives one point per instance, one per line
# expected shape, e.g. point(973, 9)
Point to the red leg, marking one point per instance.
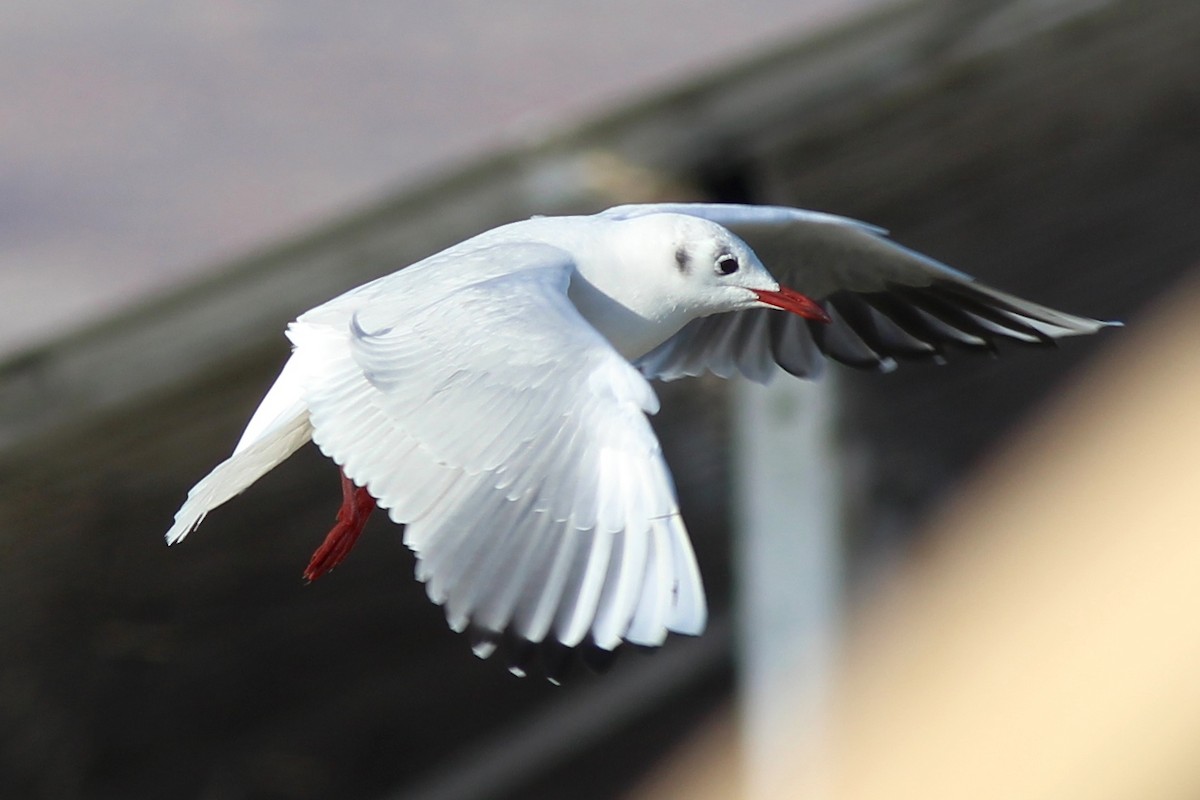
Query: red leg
point(357, 506)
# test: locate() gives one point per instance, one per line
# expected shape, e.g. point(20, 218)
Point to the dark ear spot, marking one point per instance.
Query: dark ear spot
point(683, 259)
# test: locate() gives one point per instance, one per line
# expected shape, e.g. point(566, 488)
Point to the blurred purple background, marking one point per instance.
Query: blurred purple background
point(142, 143)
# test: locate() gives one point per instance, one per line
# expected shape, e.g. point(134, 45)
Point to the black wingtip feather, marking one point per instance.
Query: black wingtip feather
point(995, 310)
point(838, 341)
point(552, 659)
point(950, 313)
point(883, 335)
point(922, 325)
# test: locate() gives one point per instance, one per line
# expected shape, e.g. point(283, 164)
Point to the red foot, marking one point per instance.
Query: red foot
point(357, 506)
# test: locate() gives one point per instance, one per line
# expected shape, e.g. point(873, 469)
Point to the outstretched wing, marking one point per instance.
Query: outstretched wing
point(887, 302)
point(511, 439)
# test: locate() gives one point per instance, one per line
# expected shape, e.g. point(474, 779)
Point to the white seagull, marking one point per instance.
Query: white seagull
point(493, 397)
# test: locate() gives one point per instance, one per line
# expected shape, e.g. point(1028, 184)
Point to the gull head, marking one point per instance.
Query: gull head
point(697, 267)
point(646, 277)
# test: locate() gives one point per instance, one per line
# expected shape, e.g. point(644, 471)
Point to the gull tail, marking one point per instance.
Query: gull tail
point(278, 428)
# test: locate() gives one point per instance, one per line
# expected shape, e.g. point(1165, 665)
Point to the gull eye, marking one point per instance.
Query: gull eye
point(727, 264)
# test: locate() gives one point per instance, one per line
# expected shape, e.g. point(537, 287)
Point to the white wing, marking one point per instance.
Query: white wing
point(511, 440)
point(886, 301)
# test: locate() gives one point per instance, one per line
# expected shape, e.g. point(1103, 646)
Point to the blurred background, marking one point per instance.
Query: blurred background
point(145, 144)
point(988, 589)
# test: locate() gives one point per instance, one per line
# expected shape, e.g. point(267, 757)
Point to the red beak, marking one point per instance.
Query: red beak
point(793, 301)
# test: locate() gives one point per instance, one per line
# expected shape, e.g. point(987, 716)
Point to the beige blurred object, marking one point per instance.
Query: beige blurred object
point(1046, 642)
point(708, 767)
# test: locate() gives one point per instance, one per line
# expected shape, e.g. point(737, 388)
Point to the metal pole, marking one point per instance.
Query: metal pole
point(787, 509)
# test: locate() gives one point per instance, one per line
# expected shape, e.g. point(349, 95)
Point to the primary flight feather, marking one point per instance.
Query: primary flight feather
point(493, 397)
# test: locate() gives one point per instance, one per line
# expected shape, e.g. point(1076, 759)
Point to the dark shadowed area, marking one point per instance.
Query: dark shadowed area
point(1052, 156)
